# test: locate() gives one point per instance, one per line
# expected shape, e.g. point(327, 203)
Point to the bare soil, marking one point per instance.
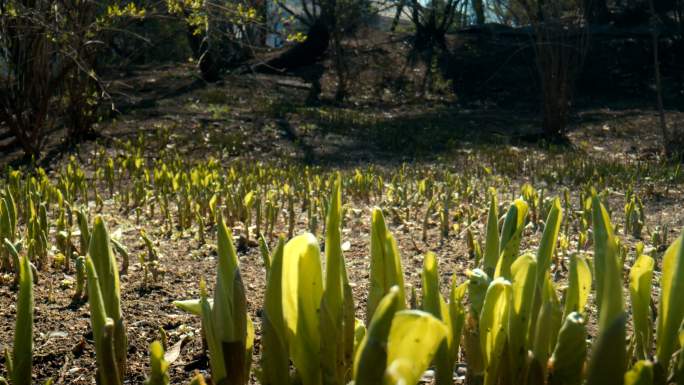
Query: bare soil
point(256, 117)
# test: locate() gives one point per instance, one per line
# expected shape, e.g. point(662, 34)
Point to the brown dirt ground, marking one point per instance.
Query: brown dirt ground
point(244, 116)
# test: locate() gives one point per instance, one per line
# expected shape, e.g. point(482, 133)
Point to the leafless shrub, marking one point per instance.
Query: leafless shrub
point(560, 37)
point(50, 49)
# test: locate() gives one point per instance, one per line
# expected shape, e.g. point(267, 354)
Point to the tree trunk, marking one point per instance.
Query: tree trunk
point(194, 38)
point(659, 86)
point(397, 15)
point(224, 46)
point(478, 8)
point(301, 54)
point(596, 11)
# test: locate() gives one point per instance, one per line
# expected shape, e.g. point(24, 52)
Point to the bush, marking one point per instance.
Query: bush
point(50, 50)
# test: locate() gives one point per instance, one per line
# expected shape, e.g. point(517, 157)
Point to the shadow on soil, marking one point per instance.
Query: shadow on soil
point(349, 137)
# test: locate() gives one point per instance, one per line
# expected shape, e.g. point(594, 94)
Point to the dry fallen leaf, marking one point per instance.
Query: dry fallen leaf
point(172, 354)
